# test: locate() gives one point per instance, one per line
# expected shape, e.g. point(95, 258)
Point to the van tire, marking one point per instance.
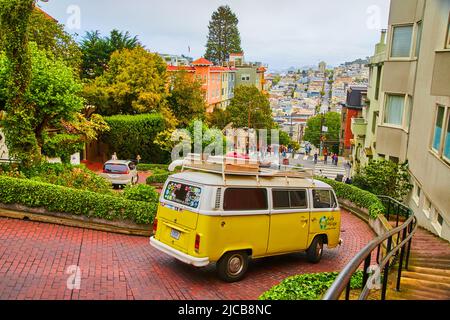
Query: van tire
point(232, 266)
point(315, 250)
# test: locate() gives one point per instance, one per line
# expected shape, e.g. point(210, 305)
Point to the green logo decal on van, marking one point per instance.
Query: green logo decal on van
point(323, 222)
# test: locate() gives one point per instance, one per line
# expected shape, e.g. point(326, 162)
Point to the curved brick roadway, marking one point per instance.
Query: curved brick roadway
point(35, 256)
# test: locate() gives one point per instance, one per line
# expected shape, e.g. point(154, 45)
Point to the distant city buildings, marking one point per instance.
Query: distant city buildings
point(219, 82)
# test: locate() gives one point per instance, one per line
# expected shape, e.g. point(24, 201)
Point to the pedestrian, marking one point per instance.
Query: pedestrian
point(316, 157)
point(336, 159)
point(114, 156)
point(325, 156)
point(138, 158)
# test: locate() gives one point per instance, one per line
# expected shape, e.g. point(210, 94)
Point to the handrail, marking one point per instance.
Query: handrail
point(404, 232)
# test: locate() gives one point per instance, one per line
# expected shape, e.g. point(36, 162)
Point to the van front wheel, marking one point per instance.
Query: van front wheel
point(232, 266)
point(315, 250)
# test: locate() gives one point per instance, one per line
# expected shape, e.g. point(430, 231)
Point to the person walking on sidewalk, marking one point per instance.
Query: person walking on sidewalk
point(316, 157)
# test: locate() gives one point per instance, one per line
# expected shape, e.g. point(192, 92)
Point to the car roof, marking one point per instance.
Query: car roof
point(118, 162)
point(214, 179)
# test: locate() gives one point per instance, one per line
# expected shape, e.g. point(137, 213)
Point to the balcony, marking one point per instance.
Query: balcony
point(359, 126)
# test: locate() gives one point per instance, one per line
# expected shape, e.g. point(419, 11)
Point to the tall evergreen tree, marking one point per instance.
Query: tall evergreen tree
point(223, 37)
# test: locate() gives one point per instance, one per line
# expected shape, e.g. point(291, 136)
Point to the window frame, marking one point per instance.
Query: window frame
point(405, 101)
point(332, 195)
point(445, 126)
point(391, 44)
point(447, 38)
point(290, 208)
point(228, 211)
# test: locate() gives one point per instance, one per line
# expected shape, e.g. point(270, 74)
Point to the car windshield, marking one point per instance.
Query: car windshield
point(115, 168)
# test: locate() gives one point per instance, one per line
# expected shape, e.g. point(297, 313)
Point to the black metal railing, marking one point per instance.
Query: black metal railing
point(391, 247)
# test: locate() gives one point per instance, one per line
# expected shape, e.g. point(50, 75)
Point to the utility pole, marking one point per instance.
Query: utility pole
point(322, 120)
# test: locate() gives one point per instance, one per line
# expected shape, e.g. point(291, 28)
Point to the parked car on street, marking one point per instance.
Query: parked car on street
point(120, 172)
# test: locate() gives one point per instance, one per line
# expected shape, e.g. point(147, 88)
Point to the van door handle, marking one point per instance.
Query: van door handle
point(303, 220)
point(313, 220)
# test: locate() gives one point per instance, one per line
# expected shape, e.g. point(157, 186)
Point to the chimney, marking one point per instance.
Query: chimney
point(383, 36)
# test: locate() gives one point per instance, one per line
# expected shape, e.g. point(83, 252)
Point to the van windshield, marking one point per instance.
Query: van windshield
point(183, 194)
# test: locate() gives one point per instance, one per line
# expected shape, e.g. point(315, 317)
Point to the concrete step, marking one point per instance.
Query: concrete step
point(419, 283)
point(433, 271)
point(427, 277)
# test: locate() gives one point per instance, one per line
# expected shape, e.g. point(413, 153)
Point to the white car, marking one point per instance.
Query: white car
point(120, 172)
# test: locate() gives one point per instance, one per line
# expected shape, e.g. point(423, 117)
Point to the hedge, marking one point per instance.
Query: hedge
point(361, 198)
point(60, 199)
point(132, 135)
point(308, 286)
point(158, 176)
point(152, 166)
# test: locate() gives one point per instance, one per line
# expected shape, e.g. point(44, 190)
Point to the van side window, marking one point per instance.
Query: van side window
point(241, 199)
point(324, 199)
point(283, 199)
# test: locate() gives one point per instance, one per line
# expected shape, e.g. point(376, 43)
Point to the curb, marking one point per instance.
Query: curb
point(72, 222)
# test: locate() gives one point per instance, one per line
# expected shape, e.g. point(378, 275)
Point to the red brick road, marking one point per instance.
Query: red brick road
point(34, 258)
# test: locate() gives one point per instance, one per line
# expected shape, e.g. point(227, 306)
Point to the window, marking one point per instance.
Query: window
point(374, 121)
point(419, 38)
point(447, 139)
point(283, 199)
point(245, 199)
point(416, 193)
point(447, 43)
point(427, 207)
point(394, 109)
point(324, 199)
point(401, 41)
point(377, 87)
point(440, 219)
point(438, 129)
point(183, 194)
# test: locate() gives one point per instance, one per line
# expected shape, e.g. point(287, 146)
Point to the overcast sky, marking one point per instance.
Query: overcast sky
point(281, 33)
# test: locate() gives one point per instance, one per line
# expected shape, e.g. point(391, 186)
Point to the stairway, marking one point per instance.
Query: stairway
point(428, 275)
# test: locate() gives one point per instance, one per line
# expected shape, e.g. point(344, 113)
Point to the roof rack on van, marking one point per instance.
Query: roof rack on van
point(239, 167)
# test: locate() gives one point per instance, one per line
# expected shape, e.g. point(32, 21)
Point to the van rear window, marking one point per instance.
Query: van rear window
point(245, 199)
point(182, 193)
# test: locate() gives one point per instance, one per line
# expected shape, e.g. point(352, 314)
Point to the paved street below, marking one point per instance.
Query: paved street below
point(36, 259)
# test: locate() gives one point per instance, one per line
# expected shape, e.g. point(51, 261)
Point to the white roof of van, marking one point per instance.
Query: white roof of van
point(215, 179)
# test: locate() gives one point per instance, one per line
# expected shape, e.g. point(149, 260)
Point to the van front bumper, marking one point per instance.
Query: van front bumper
point(197, 262)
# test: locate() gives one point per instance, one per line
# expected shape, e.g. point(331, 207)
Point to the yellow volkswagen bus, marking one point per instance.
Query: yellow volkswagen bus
point(226, 216)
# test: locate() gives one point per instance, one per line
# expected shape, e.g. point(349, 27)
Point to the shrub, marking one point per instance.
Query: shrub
point(63, 146)
point(141, 192)
point(158, 176)
point(78, 177)
point(361, 198)
point(386, 178)
point(307, 286)
point(132, 135)
point(34, 194)
point(151, 166)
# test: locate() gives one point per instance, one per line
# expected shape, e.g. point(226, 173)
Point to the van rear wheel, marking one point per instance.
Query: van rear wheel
point(232, 266)
point(315, 250)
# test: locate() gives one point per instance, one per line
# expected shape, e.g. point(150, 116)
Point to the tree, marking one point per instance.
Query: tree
point(16, 77)
point(135, 82)
point(331, 120)
point(52, 97)
point(223, 37)
point(50, 35)
point(186, 99)
point(97, 50)
point(383, 177)
point(250, 108)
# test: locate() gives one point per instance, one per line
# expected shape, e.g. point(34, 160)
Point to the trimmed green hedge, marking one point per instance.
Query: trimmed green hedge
point(158, 176)
point(55, 198)
point(309, 286)
point(361, 198)
point(132, 135)
point(152, 166)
